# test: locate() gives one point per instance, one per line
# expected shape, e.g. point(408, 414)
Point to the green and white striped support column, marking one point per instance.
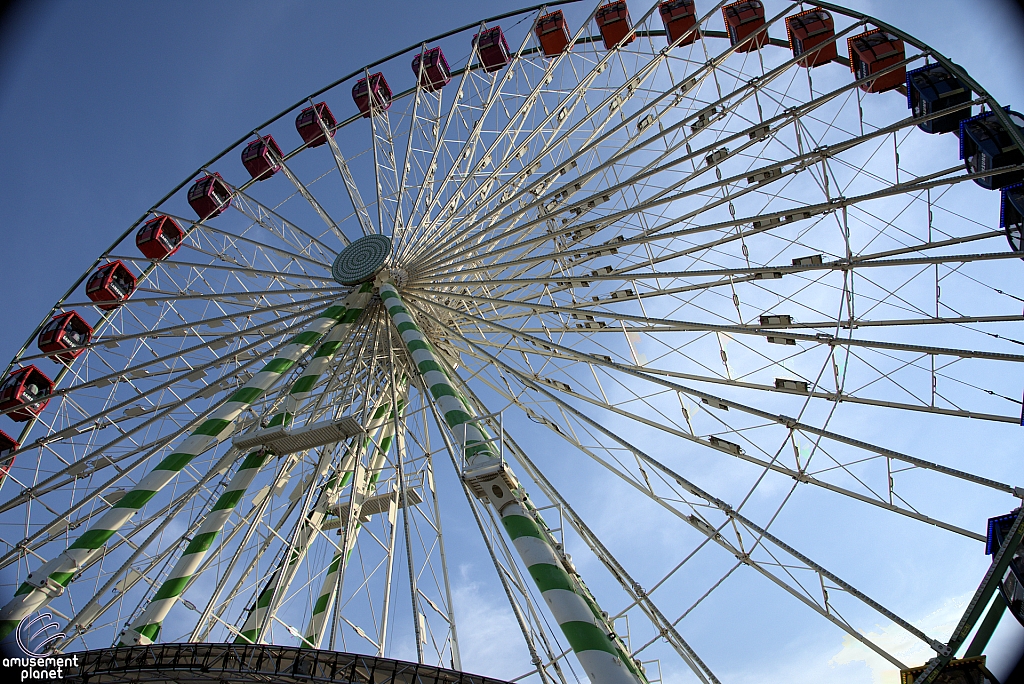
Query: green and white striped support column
point(254, 618)
point(48, 580)
point(321, 609)
point(456, 411)
point(145, 628)
point(603, 655)
point(310, 527)
point(302, 388)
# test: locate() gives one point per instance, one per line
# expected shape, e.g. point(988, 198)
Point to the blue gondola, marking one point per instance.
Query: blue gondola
point(1012, 585)
point(1011, 215)
point(985, 145)
point(933, 89)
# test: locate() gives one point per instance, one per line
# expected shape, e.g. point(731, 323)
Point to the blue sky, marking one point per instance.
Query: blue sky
point(104, 107)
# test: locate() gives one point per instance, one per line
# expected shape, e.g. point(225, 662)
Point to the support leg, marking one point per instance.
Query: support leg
point(603, 654)
point(49, 580)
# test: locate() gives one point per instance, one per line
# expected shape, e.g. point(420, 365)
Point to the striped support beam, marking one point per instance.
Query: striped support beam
point(314, 631)
point(311, 526)
point(48, 580)
point(456, 411)
point(303, 387)
point(602, 654)
point(145, 628)
point(321, 609)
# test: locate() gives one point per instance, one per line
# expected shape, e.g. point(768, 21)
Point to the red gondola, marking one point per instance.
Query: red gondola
point(22, 388)
point(679, 16)
point(111, 285)
point(553, 33)
point(159, 237)
point(616, 27)
point(873, 52)
point(741, 20)
point(7, 448)
point(64, 338)
point(435, 74)
point(261, 157)
point(493, 49)
point(806, 31)
point(374, 92)
point(209, 196)
point(307, 123)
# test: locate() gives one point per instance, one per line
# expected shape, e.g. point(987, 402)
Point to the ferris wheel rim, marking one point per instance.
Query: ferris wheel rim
point(1015, 133)
point(60, 303)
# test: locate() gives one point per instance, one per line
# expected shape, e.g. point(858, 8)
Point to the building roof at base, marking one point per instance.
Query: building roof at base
point(230, 663)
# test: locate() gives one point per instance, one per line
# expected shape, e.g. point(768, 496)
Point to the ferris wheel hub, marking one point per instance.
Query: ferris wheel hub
point(361, 260)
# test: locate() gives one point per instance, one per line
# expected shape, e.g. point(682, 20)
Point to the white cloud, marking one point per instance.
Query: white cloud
point(490, 641)
point(904, 646)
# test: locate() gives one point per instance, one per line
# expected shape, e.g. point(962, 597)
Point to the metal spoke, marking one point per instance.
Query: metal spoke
point(672, 300)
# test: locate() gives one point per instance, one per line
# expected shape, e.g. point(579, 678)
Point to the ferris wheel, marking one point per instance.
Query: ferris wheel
point(698, 327)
